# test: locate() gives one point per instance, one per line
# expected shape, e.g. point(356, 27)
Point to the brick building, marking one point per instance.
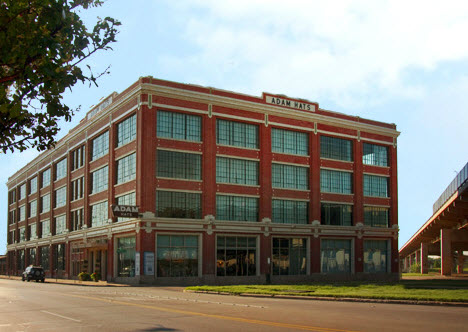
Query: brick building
point(230, 188)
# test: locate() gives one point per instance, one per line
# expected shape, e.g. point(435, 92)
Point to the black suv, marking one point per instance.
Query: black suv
point(34, 273)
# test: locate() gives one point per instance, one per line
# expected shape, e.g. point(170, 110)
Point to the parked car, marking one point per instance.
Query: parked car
point(34, 273)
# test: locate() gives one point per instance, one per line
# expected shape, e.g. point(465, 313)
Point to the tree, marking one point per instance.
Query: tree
point(42, 44)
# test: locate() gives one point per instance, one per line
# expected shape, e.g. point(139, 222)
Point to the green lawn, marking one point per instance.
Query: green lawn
point(421, 290)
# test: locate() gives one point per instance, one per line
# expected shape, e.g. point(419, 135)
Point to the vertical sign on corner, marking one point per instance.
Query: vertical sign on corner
point(137, 264)
point(148, 263)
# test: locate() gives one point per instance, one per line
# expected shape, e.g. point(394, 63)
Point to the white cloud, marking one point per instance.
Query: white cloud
point(353, 52)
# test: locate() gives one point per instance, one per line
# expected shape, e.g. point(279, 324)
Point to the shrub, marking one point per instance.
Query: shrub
point(84, 276)
point(96, 276)
point(415, 268)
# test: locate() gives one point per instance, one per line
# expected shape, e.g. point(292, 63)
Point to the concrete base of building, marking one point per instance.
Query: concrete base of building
point(261, 279)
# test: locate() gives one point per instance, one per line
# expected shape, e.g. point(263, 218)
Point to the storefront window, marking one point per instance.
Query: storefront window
point(45, 258)
point(375, 256)
point(289, 256)
point(177, 256)
point(336, 256)
point(59, 256)
point(126, 257)
point(236, 256)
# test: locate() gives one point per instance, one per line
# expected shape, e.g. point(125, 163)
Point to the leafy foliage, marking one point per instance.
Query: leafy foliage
point(42, 44)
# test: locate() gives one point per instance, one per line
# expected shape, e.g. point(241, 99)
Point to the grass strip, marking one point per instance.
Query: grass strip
point(419, 290)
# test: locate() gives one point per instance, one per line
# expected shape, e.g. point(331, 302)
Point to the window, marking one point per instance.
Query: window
point(22, 233)
point(32, 256)
point(126, 130)
point(59, 256)
point(45, 254)
point(336, 148)
point(375, 185)
point(45, 203)
point(61, 224)
point(100, 146)
point(375, 256)
point(289, 256)
point(32, 209)
point(11, 217)
point(78, 158)
point(171, 204)
point(60, 197)
point(335, 256)
point(236, 134)
point(45, 228)
point(179, 126)
point(177, 256)
point(76, 219)
point(336, 182)
point(20, 260)
point(126, 247)
point(11, 237)
point(45, 178)
point(289, 212)
point(337, 214)
point(236, 256)
point(99, 214)
point(99, 180)
point(33, 185)
point(22, 192)
point(126, 168)
point(60, 169)
point(375, 155)
point(238, 171)
point(375, 216)
point(128, 199)
point(22, 213)
point(32, 231)
point(290, 177)
point(179, 165)
point(290, 142)
point(77, 189)
point(12, 196)
point(236, 208)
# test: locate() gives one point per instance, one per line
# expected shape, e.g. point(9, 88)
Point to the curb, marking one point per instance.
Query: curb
point(71, 282)
point(337, 299)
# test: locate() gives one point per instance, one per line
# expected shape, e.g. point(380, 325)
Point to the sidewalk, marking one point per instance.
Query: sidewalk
point(100, 283)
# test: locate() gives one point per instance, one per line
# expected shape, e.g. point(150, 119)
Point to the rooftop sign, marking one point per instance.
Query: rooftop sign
point(286, 102)
point(125, 211)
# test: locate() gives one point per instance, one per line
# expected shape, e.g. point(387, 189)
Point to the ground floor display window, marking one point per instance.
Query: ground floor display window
point(32, 256)
point(375, 256)
point(335, 256)
point(236, 256)
point(45, 257)
point(59, 256)
point(126, 256)
point(21, 262)
point(289, 256)
point(177, 255)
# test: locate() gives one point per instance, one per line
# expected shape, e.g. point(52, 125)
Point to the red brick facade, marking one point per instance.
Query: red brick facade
point(95, 248)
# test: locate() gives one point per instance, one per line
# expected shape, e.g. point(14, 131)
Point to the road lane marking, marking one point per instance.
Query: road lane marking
point(231, 318)
point(65, 317)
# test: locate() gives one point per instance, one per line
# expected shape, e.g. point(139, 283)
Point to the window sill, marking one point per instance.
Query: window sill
point(177, 179)
point(343, 161)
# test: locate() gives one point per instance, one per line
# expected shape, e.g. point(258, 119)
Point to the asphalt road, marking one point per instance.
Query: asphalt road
point(55, 307)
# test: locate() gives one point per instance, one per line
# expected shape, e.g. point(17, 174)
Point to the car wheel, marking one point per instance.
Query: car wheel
point(37, 280)
point(42, 280)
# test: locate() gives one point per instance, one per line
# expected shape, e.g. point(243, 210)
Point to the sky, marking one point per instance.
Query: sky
point(402, 62)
